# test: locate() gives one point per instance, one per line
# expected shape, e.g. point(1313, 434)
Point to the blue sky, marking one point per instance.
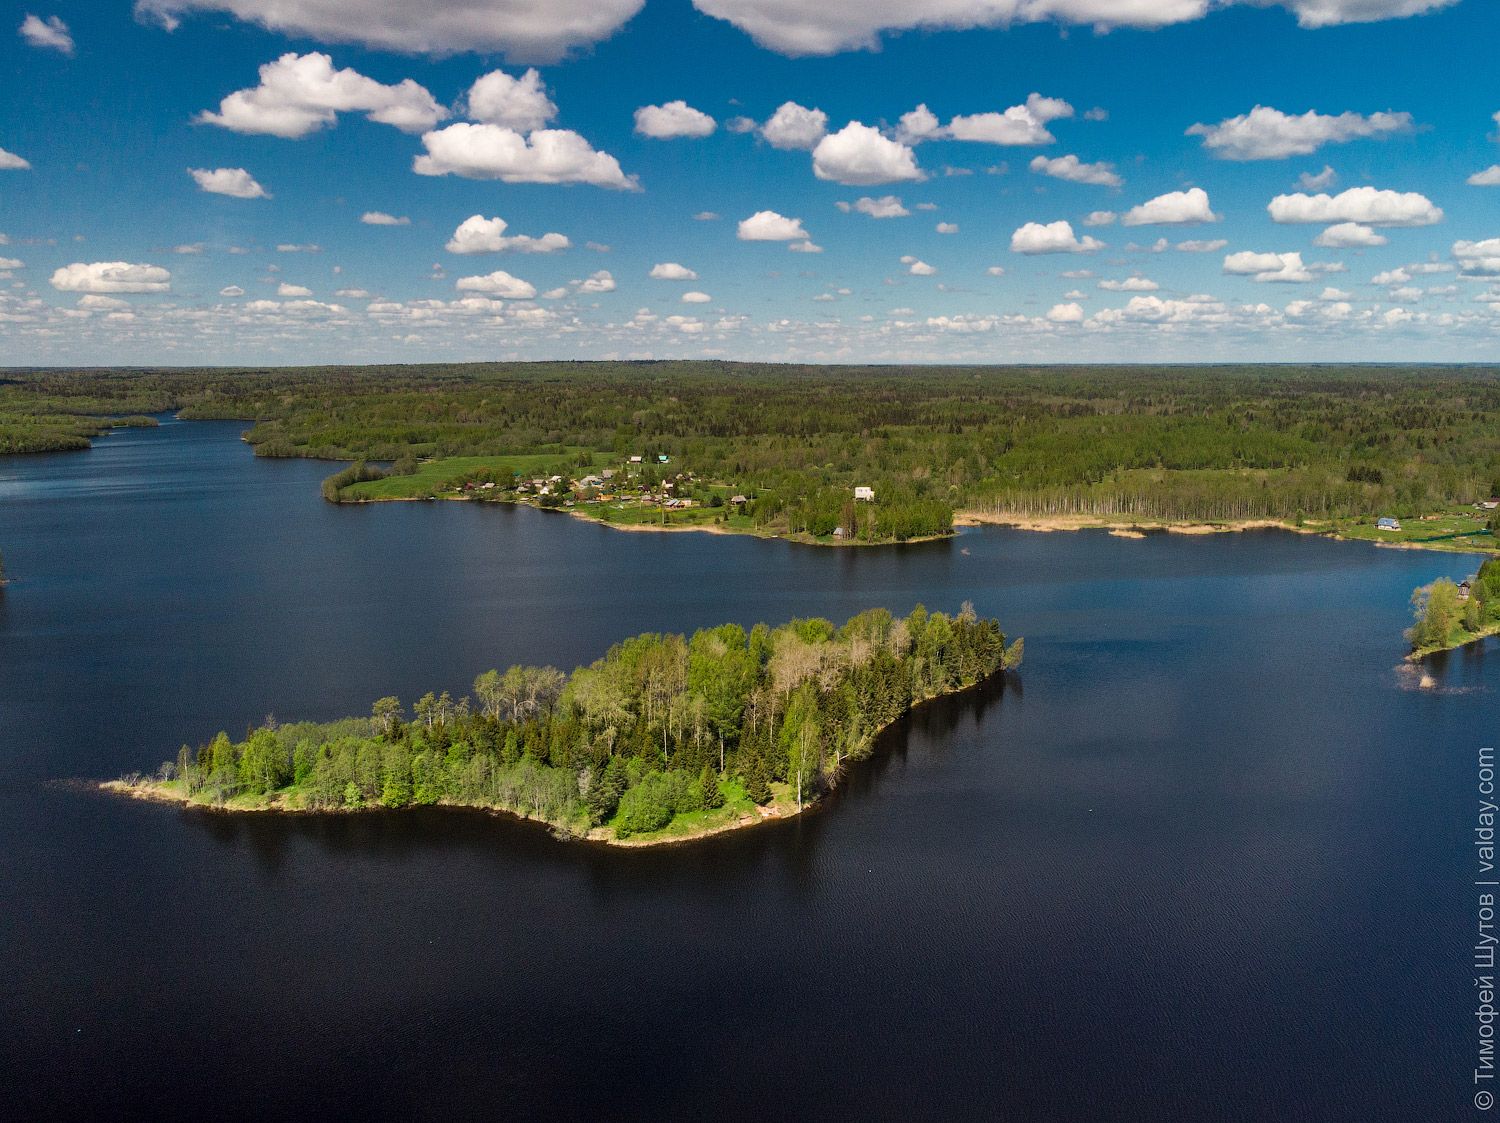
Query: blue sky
point(1337, 220)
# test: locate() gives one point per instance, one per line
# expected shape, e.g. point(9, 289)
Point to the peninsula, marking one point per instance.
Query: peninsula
point(664, 739)
point(1450, 615)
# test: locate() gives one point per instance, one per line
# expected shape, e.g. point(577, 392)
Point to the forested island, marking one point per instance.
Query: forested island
point(665, 738)
point(1322, 448)
point(1452, 614)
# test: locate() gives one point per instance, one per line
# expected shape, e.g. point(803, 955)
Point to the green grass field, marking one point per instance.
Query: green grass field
point(1460, 529)
point(431, 475)
point(650, 515)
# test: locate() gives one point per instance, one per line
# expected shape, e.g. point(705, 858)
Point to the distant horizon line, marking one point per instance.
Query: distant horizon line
point(1345, 363)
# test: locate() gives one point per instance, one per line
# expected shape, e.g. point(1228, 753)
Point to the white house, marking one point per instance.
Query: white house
point(865, 494)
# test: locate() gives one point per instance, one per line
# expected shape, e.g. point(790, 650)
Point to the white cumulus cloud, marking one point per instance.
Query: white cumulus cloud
point(111, 277)
point(1065, 314)
point(92, 302)
point(1267, 266)
point(1478, 259)
point(520, 103)
point(477, 234)
point(10, 162)
point(380, 218)
point(860, 156)
point(795, 127)
point(486, 151)
point(595, 283)
point(1130, 284)
point(1345, 235)
point(1175, 208)
point(1490, 177)
point(672, 271)
point(237, 183)
point(674, 119)
point(796, 27)
point(1074, 170)
point(696, 298)
point(1269, 134)
point(1020, 125)
point(285, 289)
point(300, 94)
point(1052, 237)
point(498, 284)
point(768, 226)
point(522, 30)
point(887, 206)
point(1366, 205)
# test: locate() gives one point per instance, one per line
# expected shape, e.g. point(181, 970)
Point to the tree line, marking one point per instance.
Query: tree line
point(1206, 442)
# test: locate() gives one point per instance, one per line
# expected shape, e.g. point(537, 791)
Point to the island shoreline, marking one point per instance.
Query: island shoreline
point(155, 791)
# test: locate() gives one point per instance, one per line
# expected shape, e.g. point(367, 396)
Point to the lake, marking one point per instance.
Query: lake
point(1209, 855)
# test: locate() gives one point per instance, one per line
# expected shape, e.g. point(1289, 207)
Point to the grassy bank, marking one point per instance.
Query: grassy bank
point(1457, 637)
point(444, 477)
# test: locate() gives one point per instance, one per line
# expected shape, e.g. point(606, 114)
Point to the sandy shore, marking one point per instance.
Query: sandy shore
point(1125, 526)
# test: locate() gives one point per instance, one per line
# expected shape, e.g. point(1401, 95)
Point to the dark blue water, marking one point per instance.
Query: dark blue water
point(1209, 857)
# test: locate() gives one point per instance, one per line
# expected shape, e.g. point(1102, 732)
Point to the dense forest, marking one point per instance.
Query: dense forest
point(665, 732)
point(1195, 443)
point(1450, 614)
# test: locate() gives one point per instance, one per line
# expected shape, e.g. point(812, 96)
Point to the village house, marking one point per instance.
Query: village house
point(1387, 524)
point(864, 494)
point(1464, 589)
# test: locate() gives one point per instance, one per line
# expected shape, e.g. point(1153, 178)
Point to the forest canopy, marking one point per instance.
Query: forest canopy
point(1172, 442)
point(664, 731)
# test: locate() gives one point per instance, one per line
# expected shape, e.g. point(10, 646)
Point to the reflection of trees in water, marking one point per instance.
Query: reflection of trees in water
point(930, 728)
point(1458, 669)
point(713, 868)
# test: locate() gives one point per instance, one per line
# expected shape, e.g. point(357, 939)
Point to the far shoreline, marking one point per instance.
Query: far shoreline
point(1123, 526)
point(656, 528)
